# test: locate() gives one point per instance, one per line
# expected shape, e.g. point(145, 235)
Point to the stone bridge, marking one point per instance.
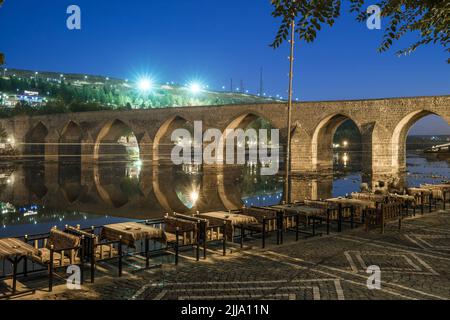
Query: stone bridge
point(383, 124)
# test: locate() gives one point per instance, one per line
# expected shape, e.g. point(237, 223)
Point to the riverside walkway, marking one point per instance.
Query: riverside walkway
point(414, 263)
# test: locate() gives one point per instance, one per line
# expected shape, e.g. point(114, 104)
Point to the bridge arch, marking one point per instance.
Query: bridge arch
point(36, 141)
point(242, 121)
point(162, 143)
point(400, 134)
point(322, 140)
point(176, 191)
point(116, 141)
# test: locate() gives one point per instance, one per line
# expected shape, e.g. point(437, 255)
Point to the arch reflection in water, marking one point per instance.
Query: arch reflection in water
point(260, 190)
point(119, 183)
point(188, 185)
point(123, 191)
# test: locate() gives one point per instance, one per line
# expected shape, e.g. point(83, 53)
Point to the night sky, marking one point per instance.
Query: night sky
point(213, 41)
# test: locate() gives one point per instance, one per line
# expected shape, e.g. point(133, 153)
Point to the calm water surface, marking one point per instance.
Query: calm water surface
point(35, 197)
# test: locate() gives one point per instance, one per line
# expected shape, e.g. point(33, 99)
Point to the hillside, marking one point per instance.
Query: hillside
point(59, 93)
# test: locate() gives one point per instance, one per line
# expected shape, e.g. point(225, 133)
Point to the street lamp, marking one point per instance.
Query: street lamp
point(145, 85)
point(195, 87)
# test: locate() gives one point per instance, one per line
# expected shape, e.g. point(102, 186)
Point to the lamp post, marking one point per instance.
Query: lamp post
point(288, 144)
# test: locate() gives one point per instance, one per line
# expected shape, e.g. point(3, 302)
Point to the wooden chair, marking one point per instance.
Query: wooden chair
point(207, 232)
point(96, 250)
point(267, 221)
point(181, 233)
point(380, 217)
point(58, 250)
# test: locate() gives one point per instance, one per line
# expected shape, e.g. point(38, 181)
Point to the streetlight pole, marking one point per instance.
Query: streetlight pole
point(287, 190)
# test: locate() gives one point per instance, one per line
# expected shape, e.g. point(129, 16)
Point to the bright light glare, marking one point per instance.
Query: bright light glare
point(194, 196)
point(195, 87)
point(145, 85)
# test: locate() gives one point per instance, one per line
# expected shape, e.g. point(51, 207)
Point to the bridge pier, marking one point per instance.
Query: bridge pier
point(311, 189)
point(145, 148)
point(51, 148)
point(87, 150)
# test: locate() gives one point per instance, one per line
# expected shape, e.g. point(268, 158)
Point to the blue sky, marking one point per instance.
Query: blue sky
point(213, 41)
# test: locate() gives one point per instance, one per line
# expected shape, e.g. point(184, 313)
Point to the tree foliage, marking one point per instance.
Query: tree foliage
point(429, 19)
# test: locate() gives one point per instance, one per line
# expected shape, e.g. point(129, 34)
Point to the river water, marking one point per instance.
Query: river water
point(35, 197)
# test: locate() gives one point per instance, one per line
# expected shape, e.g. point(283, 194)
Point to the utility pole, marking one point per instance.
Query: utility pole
point(287, 188)
point(231, 85)
point(242, 86)
point(261, 84)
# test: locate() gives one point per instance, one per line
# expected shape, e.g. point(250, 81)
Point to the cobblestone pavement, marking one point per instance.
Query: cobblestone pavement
point(414, 263)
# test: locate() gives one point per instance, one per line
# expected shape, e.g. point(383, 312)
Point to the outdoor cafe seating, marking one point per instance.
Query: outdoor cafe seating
point(57, 250)
point(14, 251)
point(408, 202)
point(181, 233)
point(95, 250)
point(89, 247)
point(440, 192)
point(340, 211)
point(299, 217)
point(232, 220)
point(423, 198)
point(267, 222)
point(382, 215)
point(209, 233)
point(135, 237)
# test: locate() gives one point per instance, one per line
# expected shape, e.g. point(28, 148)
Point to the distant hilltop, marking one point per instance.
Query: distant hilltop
point(43, 92)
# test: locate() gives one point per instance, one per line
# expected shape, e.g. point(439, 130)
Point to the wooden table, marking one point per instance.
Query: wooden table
point(404, 197)
point(230, 219)
point(363, 204)
point(419, 191)
point(131, 232)
point(369, 197)
point(308, 213)
point(441, 189)
point(14, 250)
point(423, 193)
point(353, 203)
point(306, 210)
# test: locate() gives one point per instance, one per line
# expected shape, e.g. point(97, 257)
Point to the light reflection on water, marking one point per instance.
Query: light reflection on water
point(35, 198)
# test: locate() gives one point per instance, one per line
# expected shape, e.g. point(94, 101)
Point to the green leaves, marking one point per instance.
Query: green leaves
point(428, 19)
point(309, 16)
